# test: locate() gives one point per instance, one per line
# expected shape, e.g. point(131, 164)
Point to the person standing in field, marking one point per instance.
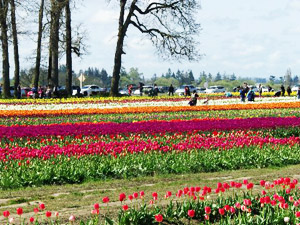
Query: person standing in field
point(298, 93)
point(242, 94)
point(194, 98)
point(141, 88)
point(289, 90)
point(260, 90)
point(282, 90)
point(19, 91)
point(251, 95)
point(187, 91)
point(171, 90)
point(129, 89)
point(155, 90)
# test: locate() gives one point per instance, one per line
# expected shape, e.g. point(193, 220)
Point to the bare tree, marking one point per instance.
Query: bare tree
point(4, 41)
point(39, 46)
point(169, 24)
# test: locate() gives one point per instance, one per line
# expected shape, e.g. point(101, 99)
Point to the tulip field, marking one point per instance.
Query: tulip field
point(80, 141)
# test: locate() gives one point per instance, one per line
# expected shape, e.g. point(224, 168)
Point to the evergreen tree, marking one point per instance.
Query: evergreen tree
point(191, 76)
point(218, 77)
point(169, 73)
point(233, 77)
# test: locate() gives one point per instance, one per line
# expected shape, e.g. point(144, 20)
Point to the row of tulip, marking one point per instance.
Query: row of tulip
point(45, 148)
point(157, 103)
point(148, 109)
point(133, 117)
point(231, 202)
point(147, 127)
point(61, 169)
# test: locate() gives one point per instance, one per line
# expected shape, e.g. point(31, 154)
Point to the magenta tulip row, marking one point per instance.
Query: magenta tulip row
point(147, 127)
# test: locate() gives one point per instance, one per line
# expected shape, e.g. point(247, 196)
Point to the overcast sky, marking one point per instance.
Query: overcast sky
point(254, 38)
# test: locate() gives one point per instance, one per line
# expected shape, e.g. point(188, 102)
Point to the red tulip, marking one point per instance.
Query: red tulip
point(6, 214)
point(135, 195)
point(130, 197)
point(247, 202)
point(191, 213)
point(206, 217)
point(207, 210)
point(42, 206)
point(250, 186)
point(227, 207)
point(19, 211)
point(221, 211)
point(297, 214)
point(96, 206)
point(48, 214)
point(105, 200)
point(122, 197)
point(273, 202)
point(125, 207)
point(142, 194)
point(159, 218)
point(31, 219)
point(154, 195)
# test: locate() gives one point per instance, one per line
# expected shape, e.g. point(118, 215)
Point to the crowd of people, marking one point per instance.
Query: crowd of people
point(244, 90)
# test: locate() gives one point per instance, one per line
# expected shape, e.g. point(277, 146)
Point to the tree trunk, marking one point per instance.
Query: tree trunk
point(4, 42)
point(68, 49)
point(16, 47)
point(56, 8)
point(114, 91)
point(54, 50)
point(39, 46)
point(123, 26)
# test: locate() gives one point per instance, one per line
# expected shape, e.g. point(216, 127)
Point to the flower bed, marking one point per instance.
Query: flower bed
point(147, 127)
point(230, 202)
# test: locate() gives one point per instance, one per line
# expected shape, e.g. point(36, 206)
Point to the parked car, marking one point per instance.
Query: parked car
point(146, 90)
point(201, 90)
point(215, 89)
point(295, 88)
point(255, 89)
point(181, 89)
point(163, 89)
point(123, 91)
point(63, 91)
point(89, 90)
point(266, 89)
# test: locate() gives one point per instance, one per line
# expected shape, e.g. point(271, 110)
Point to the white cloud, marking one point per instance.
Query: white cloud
point(293, 5)
point(104, 16)
point(254, 65)
point(274, 57)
